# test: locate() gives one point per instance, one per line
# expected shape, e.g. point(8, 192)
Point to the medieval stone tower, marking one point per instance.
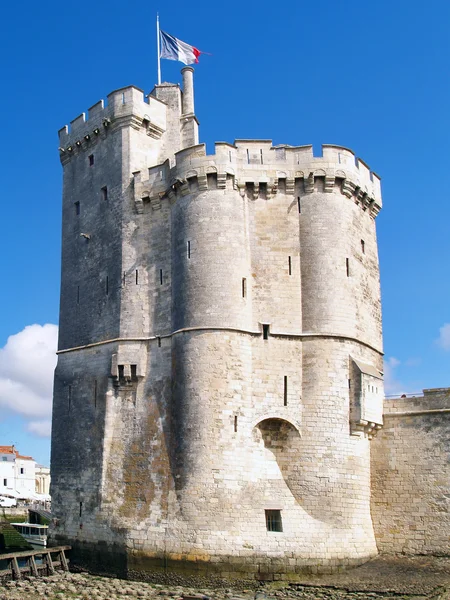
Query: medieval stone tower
point(220, 350)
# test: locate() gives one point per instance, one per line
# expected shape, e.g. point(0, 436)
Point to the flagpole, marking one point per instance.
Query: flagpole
point(158, 49)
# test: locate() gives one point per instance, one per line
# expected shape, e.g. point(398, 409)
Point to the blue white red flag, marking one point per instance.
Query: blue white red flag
point(174, 49)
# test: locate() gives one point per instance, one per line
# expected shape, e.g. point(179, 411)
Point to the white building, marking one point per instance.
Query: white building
point(42, 480)
point(17, 474)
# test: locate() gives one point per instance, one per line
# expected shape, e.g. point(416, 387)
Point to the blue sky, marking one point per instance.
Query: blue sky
point(371, 76)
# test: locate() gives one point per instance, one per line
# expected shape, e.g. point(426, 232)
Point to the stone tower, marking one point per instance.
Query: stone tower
point(220, 350)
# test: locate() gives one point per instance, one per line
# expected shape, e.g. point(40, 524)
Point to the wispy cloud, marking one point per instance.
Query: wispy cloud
point(27, 362)
point(444, 336)
point(391, 384)
point(40, 428)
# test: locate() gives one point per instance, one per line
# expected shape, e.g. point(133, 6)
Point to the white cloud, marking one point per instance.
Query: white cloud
point(40, 428)
point(391, 385)
point(444, 336)
point(27, 363)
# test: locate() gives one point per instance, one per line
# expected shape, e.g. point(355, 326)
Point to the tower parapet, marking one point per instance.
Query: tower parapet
point(259, 167)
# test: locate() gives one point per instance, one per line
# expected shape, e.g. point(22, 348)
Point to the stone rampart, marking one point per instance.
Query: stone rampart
point(411, 474)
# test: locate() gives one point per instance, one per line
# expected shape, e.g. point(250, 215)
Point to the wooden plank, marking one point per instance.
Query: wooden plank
point(33, 567)
point(15, 569)
point(48, 561)
point(62, 558)
point(26, 554)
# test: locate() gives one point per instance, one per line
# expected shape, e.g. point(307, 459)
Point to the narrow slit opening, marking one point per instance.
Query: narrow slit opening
point(266, 331)
point(285, 392)
point(299, 204)
point(290, 265)
point(160, 277)
point(347, 267)
point(244, 287)
point(235, 423)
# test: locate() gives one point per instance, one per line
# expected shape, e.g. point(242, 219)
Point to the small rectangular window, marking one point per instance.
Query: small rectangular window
point(133, 369)
point(121, 370)
point(160, 276)
point(189, 249)
point(261, 154)
point(77, 208)
point(4, 458)
point(235, 423)
point(266, 331)
point(159, 342)
point(137, 277)
point(5, 482)
point(107, 285)
point(248, 156)
point(244, 287)
point(363, 246)
point(290, 265)
point(273, 520)
point(104, 192)
point(81, 509)
point(91, 160)
point(285, 393)
point(22, 471)
point(347, 266)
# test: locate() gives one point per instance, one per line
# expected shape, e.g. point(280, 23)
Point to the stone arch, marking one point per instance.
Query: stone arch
point(211, 169)
point(281, 438)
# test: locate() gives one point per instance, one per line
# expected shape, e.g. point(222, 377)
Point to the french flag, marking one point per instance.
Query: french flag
point(174, 49)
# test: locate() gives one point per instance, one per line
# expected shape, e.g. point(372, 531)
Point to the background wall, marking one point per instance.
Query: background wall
point(411, 474)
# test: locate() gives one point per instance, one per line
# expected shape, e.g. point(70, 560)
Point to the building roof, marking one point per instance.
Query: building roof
point(14, 452)
point(368, 369)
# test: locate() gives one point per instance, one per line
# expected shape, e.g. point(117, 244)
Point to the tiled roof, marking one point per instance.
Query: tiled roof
point(11, 450)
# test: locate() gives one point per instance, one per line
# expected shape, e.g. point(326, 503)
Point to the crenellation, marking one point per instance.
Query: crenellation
point(95, 109)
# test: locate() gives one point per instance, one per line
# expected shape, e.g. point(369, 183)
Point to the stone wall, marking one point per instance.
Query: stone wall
point(411, 474)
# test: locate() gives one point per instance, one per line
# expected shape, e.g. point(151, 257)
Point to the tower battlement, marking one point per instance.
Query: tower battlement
point(259, 168)
point(124, 105)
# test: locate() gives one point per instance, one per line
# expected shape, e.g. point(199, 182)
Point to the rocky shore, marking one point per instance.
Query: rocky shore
point(391, 578)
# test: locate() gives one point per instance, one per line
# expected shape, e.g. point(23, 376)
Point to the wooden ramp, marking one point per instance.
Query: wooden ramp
point(52, 559)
